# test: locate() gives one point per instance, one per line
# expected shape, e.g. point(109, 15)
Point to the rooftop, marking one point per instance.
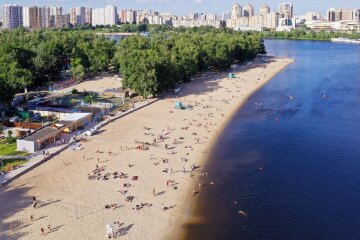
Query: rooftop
point(43, 132)
point(73, 117)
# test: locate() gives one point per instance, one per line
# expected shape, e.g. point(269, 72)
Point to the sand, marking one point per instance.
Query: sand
point(74, 206)
point(97, 84)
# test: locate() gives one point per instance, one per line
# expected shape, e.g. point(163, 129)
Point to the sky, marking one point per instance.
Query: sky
point(182, 7)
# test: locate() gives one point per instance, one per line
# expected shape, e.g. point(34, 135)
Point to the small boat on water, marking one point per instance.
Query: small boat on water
point(324, 96)
point(242, 213)
point(346, 40)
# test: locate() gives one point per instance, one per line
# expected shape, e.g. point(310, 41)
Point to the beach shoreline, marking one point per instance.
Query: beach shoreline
point(63, 182)
point(181, 230)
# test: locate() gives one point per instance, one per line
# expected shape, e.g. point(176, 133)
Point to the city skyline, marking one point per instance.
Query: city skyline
point(178, 7)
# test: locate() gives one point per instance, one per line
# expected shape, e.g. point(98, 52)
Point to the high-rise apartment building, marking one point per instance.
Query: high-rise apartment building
point(56, 11)
point(105, 16)
point(12, 16)
point(32, 17)
point(333, 15)
point(264, 10)
point(130, 16)
point(236, 11)
point(88, 16)
point(122, 16)
point(271, 21)
point(111, 17)
point(45, 17)
point(248, 11)
point(193, 16)
point(98, 17)
point(77, 16)
point(286, 10)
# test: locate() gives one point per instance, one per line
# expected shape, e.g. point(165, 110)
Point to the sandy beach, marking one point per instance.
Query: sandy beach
point(140, 173)
point(97, 84)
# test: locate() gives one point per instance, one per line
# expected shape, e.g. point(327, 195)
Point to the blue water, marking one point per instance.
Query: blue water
point(293, 166)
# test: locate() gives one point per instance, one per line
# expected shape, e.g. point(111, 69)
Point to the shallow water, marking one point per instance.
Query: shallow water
point(290, 157)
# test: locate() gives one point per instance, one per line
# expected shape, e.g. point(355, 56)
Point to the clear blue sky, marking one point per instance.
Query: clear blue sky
point(181, 7)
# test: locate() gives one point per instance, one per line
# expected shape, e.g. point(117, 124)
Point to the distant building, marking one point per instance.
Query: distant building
point(31, 17)
point(312, 16)
point(193, 16)
point(264, 10)
point(335, 15)
point(236, 11)
point(345, 26)
point(88, 16)
point(286, 10)
point(130, 16)
point(56, 11)
point(62, 20)
point(105, 16)
point(183, 22)
point(225, 16)
point(286, 24)
point(98, 17)
point(249, 11)
point(271, 21)
point(357, 15)
point(12, 16)
point(111, 17)
point(77, 16)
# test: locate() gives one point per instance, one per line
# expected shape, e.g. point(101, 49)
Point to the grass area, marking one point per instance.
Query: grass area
point(9, 164)
point(10, 149)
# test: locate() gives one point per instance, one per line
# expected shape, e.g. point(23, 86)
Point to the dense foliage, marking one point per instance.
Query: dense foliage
point(307, 34)
point(151, 65)
point(30, 59)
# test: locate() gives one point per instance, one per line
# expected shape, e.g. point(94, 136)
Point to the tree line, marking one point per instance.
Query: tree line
point(308, 34)
point(29, 59)
point(149, 65)
point(154, 64)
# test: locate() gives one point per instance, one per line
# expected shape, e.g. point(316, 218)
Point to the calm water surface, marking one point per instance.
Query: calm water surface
point(293, 166)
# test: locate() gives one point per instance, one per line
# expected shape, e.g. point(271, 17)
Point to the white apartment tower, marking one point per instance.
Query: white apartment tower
point(110, 15)
point(236, 11)
point(12, 16)
point(264, 10)
point(249, 11)
point(104, 16)
point(98, 17)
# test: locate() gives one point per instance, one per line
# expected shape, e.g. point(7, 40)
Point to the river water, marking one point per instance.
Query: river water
point(290, 158)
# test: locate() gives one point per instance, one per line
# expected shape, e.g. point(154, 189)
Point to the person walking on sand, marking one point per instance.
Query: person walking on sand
point(34, 202)
point(154, 192)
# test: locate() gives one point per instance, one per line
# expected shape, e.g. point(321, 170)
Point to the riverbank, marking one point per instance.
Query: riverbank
point(145, 190)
